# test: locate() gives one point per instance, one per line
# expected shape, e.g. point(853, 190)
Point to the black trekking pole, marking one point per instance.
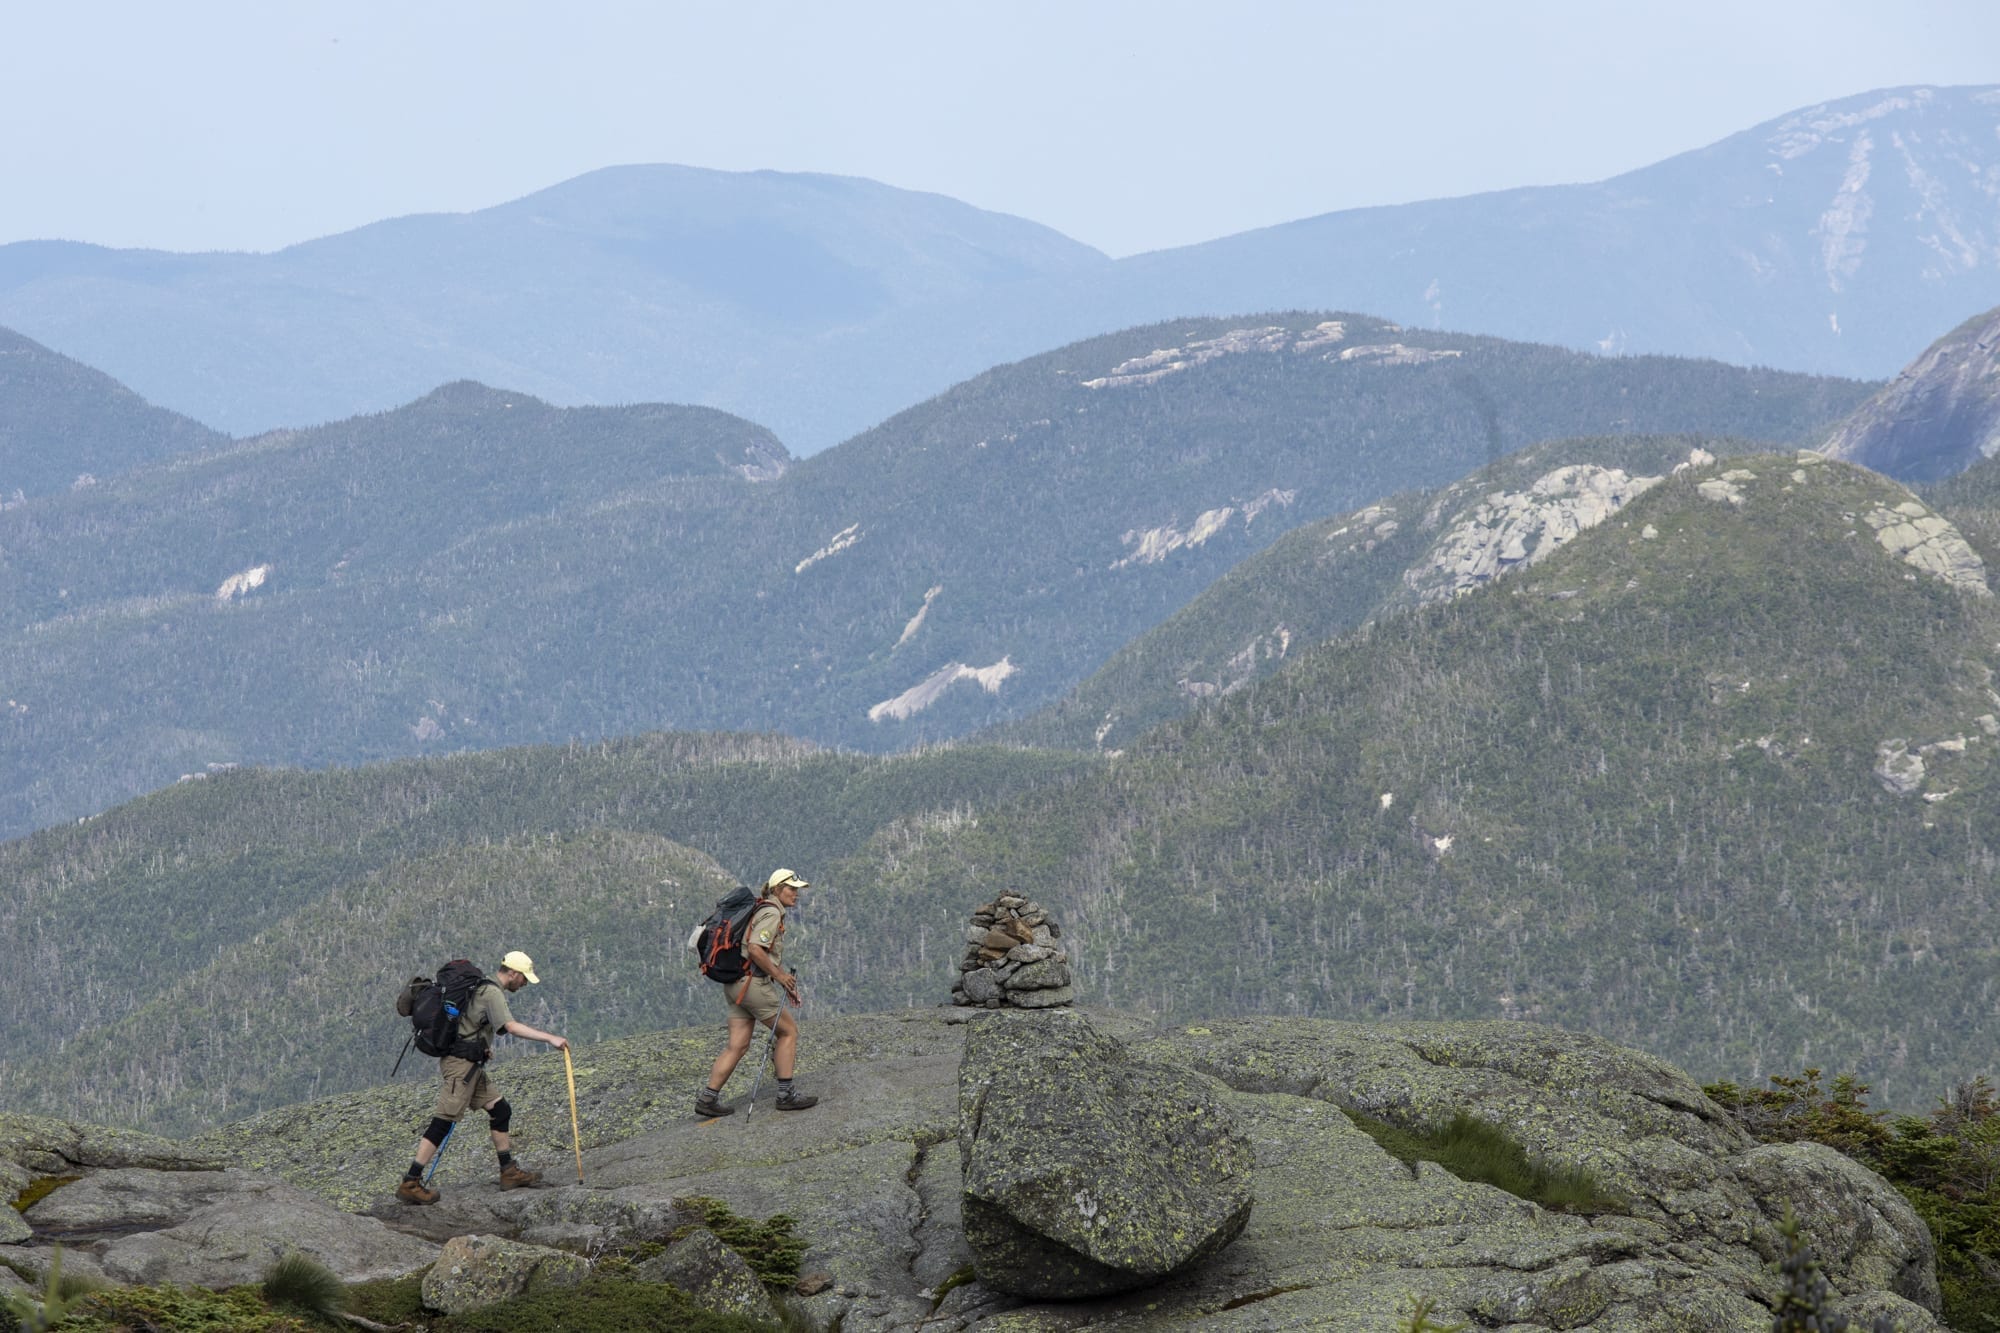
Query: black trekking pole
point(400, 1054)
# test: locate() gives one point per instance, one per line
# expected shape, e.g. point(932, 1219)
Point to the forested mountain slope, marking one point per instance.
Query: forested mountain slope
point(63, 424)
point(479, 569)
point(172, 955)
point(1715, 779)
point(1331, 576)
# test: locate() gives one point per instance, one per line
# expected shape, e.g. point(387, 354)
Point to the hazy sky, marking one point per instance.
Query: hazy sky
point(251, 124)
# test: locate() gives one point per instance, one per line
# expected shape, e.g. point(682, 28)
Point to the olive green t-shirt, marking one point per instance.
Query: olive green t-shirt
point(767, 931)
point(486, 1014)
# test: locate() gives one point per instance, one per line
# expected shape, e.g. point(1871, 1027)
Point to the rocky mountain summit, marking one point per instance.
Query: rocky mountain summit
point(892, 1179)
point(1939, 416)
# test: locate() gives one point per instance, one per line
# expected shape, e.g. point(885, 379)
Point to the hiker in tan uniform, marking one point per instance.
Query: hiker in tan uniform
point(465, 1084)
point(755, 1000)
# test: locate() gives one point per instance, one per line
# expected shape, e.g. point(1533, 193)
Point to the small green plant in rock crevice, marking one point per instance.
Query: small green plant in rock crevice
point(1474, 1149)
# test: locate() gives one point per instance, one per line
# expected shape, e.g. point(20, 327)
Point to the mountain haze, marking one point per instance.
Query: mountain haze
point(480, 569)
point(755, 291)
point(1837, 240)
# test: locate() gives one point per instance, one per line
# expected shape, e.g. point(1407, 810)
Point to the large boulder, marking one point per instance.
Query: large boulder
point(714, 1276)
point(1087, 1172)
point(476, 1271)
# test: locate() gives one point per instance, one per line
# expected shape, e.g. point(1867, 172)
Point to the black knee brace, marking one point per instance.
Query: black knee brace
point(501, 1115)
point(436, 1130)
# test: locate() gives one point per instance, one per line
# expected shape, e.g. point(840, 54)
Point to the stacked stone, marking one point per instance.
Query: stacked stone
point(1012, 959)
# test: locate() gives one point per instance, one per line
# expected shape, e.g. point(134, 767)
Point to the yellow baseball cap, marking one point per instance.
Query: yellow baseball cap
point(520, 962)
point(785, 879)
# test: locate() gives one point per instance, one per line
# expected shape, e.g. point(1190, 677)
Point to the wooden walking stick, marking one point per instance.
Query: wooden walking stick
point(575, 1134)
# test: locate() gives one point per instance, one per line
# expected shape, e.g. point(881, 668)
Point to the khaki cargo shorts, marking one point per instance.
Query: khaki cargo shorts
point(759, 1003)
point(465, 1085)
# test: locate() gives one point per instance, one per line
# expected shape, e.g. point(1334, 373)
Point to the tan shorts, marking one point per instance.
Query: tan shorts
point(759, 1002)
point(465, 1085)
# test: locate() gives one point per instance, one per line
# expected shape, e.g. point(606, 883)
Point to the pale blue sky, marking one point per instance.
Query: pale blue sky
point(251, 124)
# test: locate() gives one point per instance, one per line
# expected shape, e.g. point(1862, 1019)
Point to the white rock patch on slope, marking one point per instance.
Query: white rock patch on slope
point(843, 539)
point(1394, 354)
point(1157, 365)
point(1510, 528)
point(917, 620)
point(927, 691)
point(1149, 546)
point(242, 585)
point(1928, 541)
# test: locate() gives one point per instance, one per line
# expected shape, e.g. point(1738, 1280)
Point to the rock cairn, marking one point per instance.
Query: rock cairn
point(1012, 958)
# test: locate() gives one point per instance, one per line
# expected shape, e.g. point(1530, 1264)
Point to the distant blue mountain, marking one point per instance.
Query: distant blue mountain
point(1840, 239)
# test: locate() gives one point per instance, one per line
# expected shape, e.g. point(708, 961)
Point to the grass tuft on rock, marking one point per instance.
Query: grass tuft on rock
point(1474, 1149)
point(773, 1248)
point(297, 1282)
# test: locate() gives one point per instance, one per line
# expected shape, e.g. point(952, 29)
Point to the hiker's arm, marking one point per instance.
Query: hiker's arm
point(769, 967)
point(522, 1030)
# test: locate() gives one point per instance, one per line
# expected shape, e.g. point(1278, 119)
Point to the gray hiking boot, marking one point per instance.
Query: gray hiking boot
point(793, 1100)
point(708, 1105)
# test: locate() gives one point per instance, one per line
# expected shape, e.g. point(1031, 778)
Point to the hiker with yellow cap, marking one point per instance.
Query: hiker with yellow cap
point(754, 999)
point(483, 1015)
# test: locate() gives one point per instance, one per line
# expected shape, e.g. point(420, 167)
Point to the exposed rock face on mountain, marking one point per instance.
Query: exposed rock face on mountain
point(1937, 418)
point(1087, 1172)
point(1342, 1236)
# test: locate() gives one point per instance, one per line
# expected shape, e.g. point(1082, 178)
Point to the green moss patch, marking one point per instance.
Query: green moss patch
point(390, 1301)
point(40, 1188)
point(1473, 1149)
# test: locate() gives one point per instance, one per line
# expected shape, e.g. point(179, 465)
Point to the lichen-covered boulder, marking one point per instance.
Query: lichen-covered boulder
point(714, 1276)
point(12, 1228)
point(1864, 1234)
point(476, 1271)
point(1087, 1172)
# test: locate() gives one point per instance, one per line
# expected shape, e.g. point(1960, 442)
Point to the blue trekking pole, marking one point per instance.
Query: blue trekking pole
point(438, 1156)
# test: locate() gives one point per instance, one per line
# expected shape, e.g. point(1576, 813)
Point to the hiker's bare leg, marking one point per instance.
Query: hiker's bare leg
point(740, 1030)
point(788, 1044)
point(425, 1151)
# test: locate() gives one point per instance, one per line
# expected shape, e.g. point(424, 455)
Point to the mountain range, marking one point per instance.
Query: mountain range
point(479, 568)
point(1832, 240)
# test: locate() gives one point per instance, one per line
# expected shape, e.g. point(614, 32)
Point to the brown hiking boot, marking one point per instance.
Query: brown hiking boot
point(514, 1177)
point(708, 1105)
point(415, 1191)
